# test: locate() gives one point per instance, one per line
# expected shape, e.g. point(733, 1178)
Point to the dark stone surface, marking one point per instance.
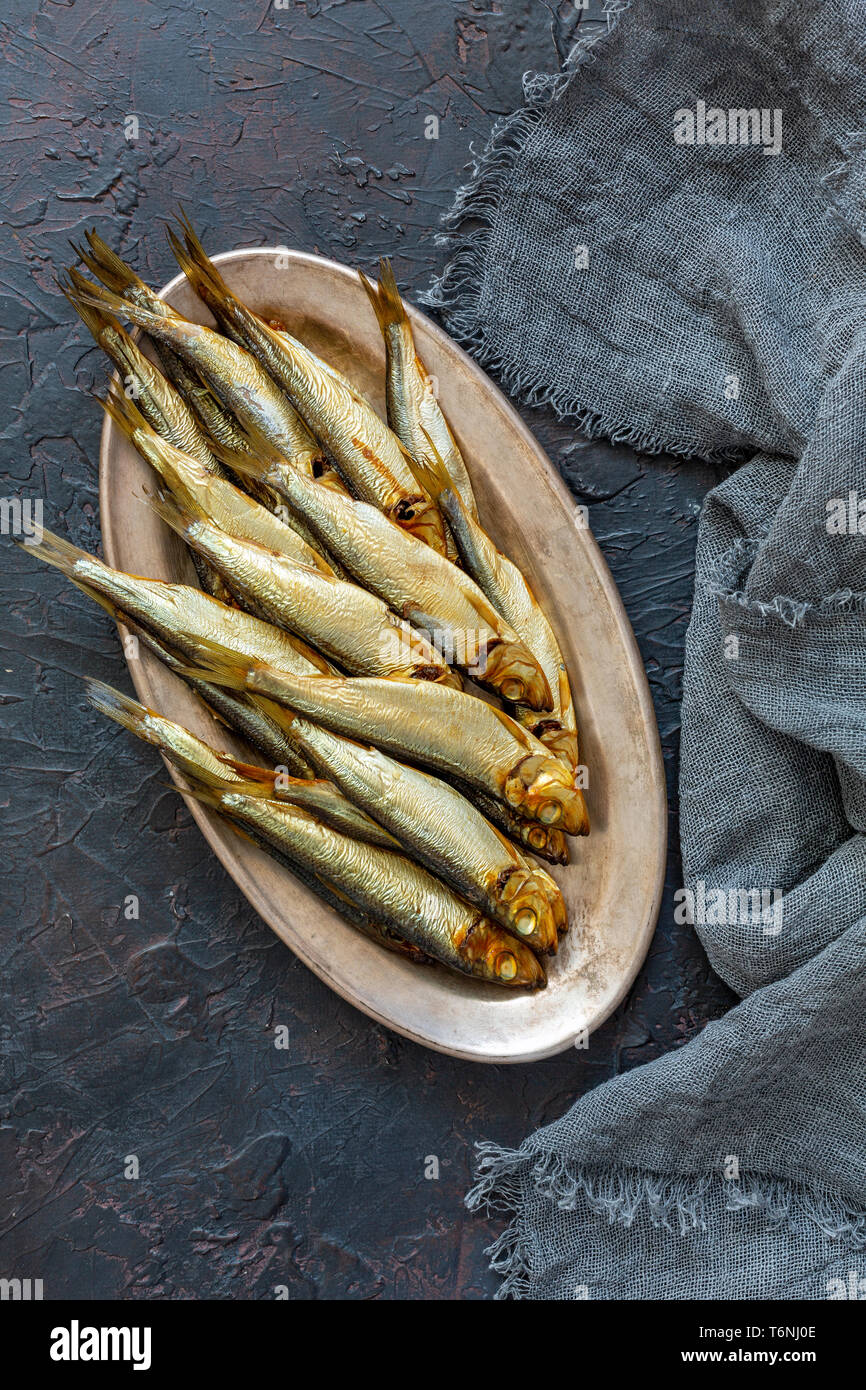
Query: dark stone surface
point(258, 1167)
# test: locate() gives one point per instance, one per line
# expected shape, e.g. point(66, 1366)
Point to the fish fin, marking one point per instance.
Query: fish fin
point(95, 318)
point(122, 409)
point(200, 791)
point(281, 716)
point(385, 297)
point(253, 774)
point(249, 465)
point(106, 265)
point(432, 471)
point(204, 776)
point(115, 705)
point(174, 512)
point(111, 608)
point(223, 673)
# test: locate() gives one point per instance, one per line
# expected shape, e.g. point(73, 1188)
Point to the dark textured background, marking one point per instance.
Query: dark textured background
point(258, 1167)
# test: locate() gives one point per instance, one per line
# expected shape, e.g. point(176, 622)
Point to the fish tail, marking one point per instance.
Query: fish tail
point(198, 788)
point(385, 297)
point(54, 550)
point(198, 268)
point(135, 718)
point(63, 555)
point(253, 466)
point(106, 265)
point(117, 706)
point(95, 318)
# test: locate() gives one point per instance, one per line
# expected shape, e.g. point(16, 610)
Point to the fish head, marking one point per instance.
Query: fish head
point(546, 841)
point(513, 672)
point(543, 789)
point(532, 907)
point(499, 958)
point(422, 519)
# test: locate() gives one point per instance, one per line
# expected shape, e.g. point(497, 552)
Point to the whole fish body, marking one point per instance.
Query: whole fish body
point(391, 888)
point(345, 621)
point(185, 618)
point(414, 413)
point(445, 729)
point(443, 831)
point(506, 588)
point(419, 584)
point(367, 453)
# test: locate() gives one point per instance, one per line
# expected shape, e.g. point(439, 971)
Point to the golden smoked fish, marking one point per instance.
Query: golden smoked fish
point(414, 413)
point(446, 729)
point(367, 453)
point(190, 754)
point(443, 831)
point(347, 623)
point(241, 384)
point(419, 584)
point(189, 621)
point(508, 591)
point(388, 886)
point(199, 491)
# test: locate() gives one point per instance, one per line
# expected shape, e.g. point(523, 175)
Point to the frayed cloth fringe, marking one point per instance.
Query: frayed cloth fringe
point(678, 1205)
point(724, 580)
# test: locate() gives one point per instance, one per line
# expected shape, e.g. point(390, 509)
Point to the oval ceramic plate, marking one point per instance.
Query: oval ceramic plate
point(612, 886)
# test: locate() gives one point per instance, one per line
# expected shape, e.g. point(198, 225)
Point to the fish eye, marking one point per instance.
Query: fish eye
point(525, 923)
point(550, 812)
point(506, 966)
point(512, 690)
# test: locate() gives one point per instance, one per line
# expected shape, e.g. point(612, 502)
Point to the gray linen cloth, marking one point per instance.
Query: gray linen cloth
point(667, 244)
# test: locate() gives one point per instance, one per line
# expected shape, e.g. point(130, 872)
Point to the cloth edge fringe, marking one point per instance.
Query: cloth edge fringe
point(677, 1204)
